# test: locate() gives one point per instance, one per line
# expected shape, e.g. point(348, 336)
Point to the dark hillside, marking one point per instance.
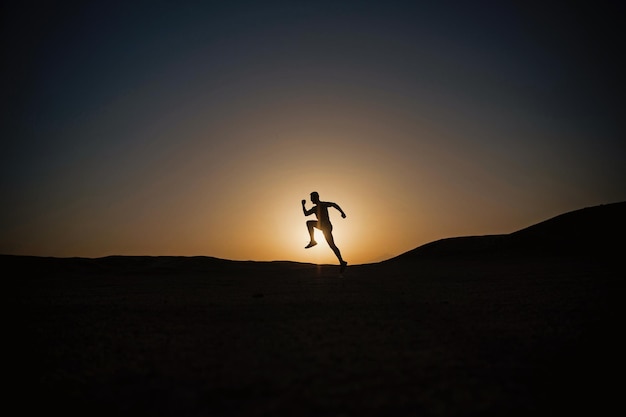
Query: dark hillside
point(594, 231)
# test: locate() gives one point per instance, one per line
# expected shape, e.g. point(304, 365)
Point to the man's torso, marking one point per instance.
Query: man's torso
point(321, 211)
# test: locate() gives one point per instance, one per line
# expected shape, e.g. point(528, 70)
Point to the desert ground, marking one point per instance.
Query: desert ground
point(449, 336)
point(524, 324)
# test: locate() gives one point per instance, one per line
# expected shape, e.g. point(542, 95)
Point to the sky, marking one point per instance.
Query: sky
point(196, 128)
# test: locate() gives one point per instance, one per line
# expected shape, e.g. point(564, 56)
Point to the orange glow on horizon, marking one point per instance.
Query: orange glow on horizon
point(233, 189)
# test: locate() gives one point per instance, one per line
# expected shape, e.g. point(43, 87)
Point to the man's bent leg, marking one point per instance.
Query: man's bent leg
point(311, 224)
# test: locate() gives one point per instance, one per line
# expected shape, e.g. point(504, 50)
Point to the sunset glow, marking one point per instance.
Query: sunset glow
point(197, 130)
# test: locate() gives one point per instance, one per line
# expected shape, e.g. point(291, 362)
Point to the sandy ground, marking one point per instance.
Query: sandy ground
point(205, 337)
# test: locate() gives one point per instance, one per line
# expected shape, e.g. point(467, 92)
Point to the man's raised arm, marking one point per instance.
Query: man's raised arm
point(304, 210)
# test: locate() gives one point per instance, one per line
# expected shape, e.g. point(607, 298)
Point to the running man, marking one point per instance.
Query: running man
point(320, 209)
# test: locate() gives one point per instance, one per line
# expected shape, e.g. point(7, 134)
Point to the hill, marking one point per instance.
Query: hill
point(588, 231)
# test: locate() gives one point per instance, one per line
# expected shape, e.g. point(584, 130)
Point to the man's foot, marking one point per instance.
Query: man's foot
point(343, 266)
point(311, 244)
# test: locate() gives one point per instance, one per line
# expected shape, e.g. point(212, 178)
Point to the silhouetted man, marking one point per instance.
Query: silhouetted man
point(323, 223)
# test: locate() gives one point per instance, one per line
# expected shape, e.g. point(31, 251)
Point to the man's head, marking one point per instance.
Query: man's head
point(315, 197)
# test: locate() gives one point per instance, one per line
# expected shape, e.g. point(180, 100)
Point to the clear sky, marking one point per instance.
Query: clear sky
point(196, 128)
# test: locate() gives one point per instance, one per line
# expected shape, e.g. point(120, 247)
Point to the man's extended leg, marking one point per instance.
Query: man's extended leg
point(328, 234)
point(311, 224)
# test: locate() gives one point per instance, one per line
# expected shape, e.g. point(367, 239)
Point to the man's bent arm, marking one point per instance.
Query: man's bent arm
point(335, 205)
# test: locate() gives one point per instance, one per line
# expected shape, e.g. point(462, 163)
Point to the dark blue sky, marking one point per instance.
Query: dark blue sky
point(512, 108)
